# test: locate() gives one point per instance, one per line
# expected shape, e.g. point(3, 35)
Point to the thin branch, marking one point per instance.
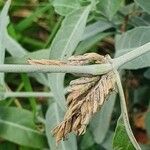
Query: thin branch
point(25, 94)
point(89, 69)
point(136, 52)
point(124, 112)
point(7, 94)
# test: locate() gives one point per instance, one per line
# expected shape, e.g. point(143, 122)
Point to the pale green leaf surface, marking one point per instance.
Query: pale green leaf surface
point(4, 20)
point(96, 28)
point(147, 74)
point(13, 47)
point(100, 123)
point(128, 9)
point(17, 126)
point(85, 45)
point(63, 45)
point(143, 20)
point(109, 7)
point(87, 140)
point(131, 40)
point(40, 54)
point(107, 143)
point(64, 7)
point(53, 117)
point(145, 4)
point(121, 140)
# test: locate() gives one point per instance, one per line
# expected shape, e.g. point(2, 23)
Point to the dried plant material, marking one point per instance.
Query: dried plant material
point(86, 95)
point(45, 62)
point(88, 58)
point(85, 98)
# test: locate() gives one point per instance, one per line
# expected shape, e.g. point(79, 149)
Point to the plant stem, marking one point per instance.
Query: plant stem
point(119, 61)
point(124, 112)
point(89, 69)
point(26, 94)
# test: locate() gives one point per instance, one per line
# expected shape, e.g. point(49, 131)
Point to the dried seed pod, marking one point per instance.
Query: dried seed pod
point(83, 103)
point(86, 94)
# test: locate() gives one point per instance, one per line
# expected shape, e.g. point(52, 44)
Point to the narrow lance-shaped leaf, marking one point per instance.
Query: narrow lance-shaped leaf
point(109, 7)
point(17, 126)
point(145, 4)
point(100, 123)
point(121, 139)
point(64, 7)
point(12, 46)
point(130, 40)
point(65, 42)
point(4, 20)
point(53, 116)
point(95, 28)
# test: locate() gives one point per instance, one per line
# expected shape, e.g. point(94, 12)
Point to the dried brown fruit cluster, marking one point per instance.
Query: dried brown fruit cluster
point(85, 97)
point(88, 58)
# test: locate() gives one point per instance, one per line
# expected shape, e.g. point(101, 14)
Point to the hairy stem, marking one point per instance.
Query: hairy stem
point(26, 94)
point(119, 61)
point(89, 69)
point(124, 112)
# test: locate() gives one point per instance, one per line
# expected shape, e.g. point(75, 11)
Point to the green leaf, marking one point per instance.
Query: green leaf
point(17, 126)
point(145, 4)
point(40, 54)
point(107, 143)
point(4, 20)
point(53, 116)
point(121, 140)
point(101, 121)
point(13, 47)
point(131, 40)
point(109, 7)
point(27, 22)
point(87, 141)
point(143, 20)
point(65, 42)
point(63, 45)
point(64, 7)
point(95, 28)
point(8, 145)
point(28, 87)
point(85, 45)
